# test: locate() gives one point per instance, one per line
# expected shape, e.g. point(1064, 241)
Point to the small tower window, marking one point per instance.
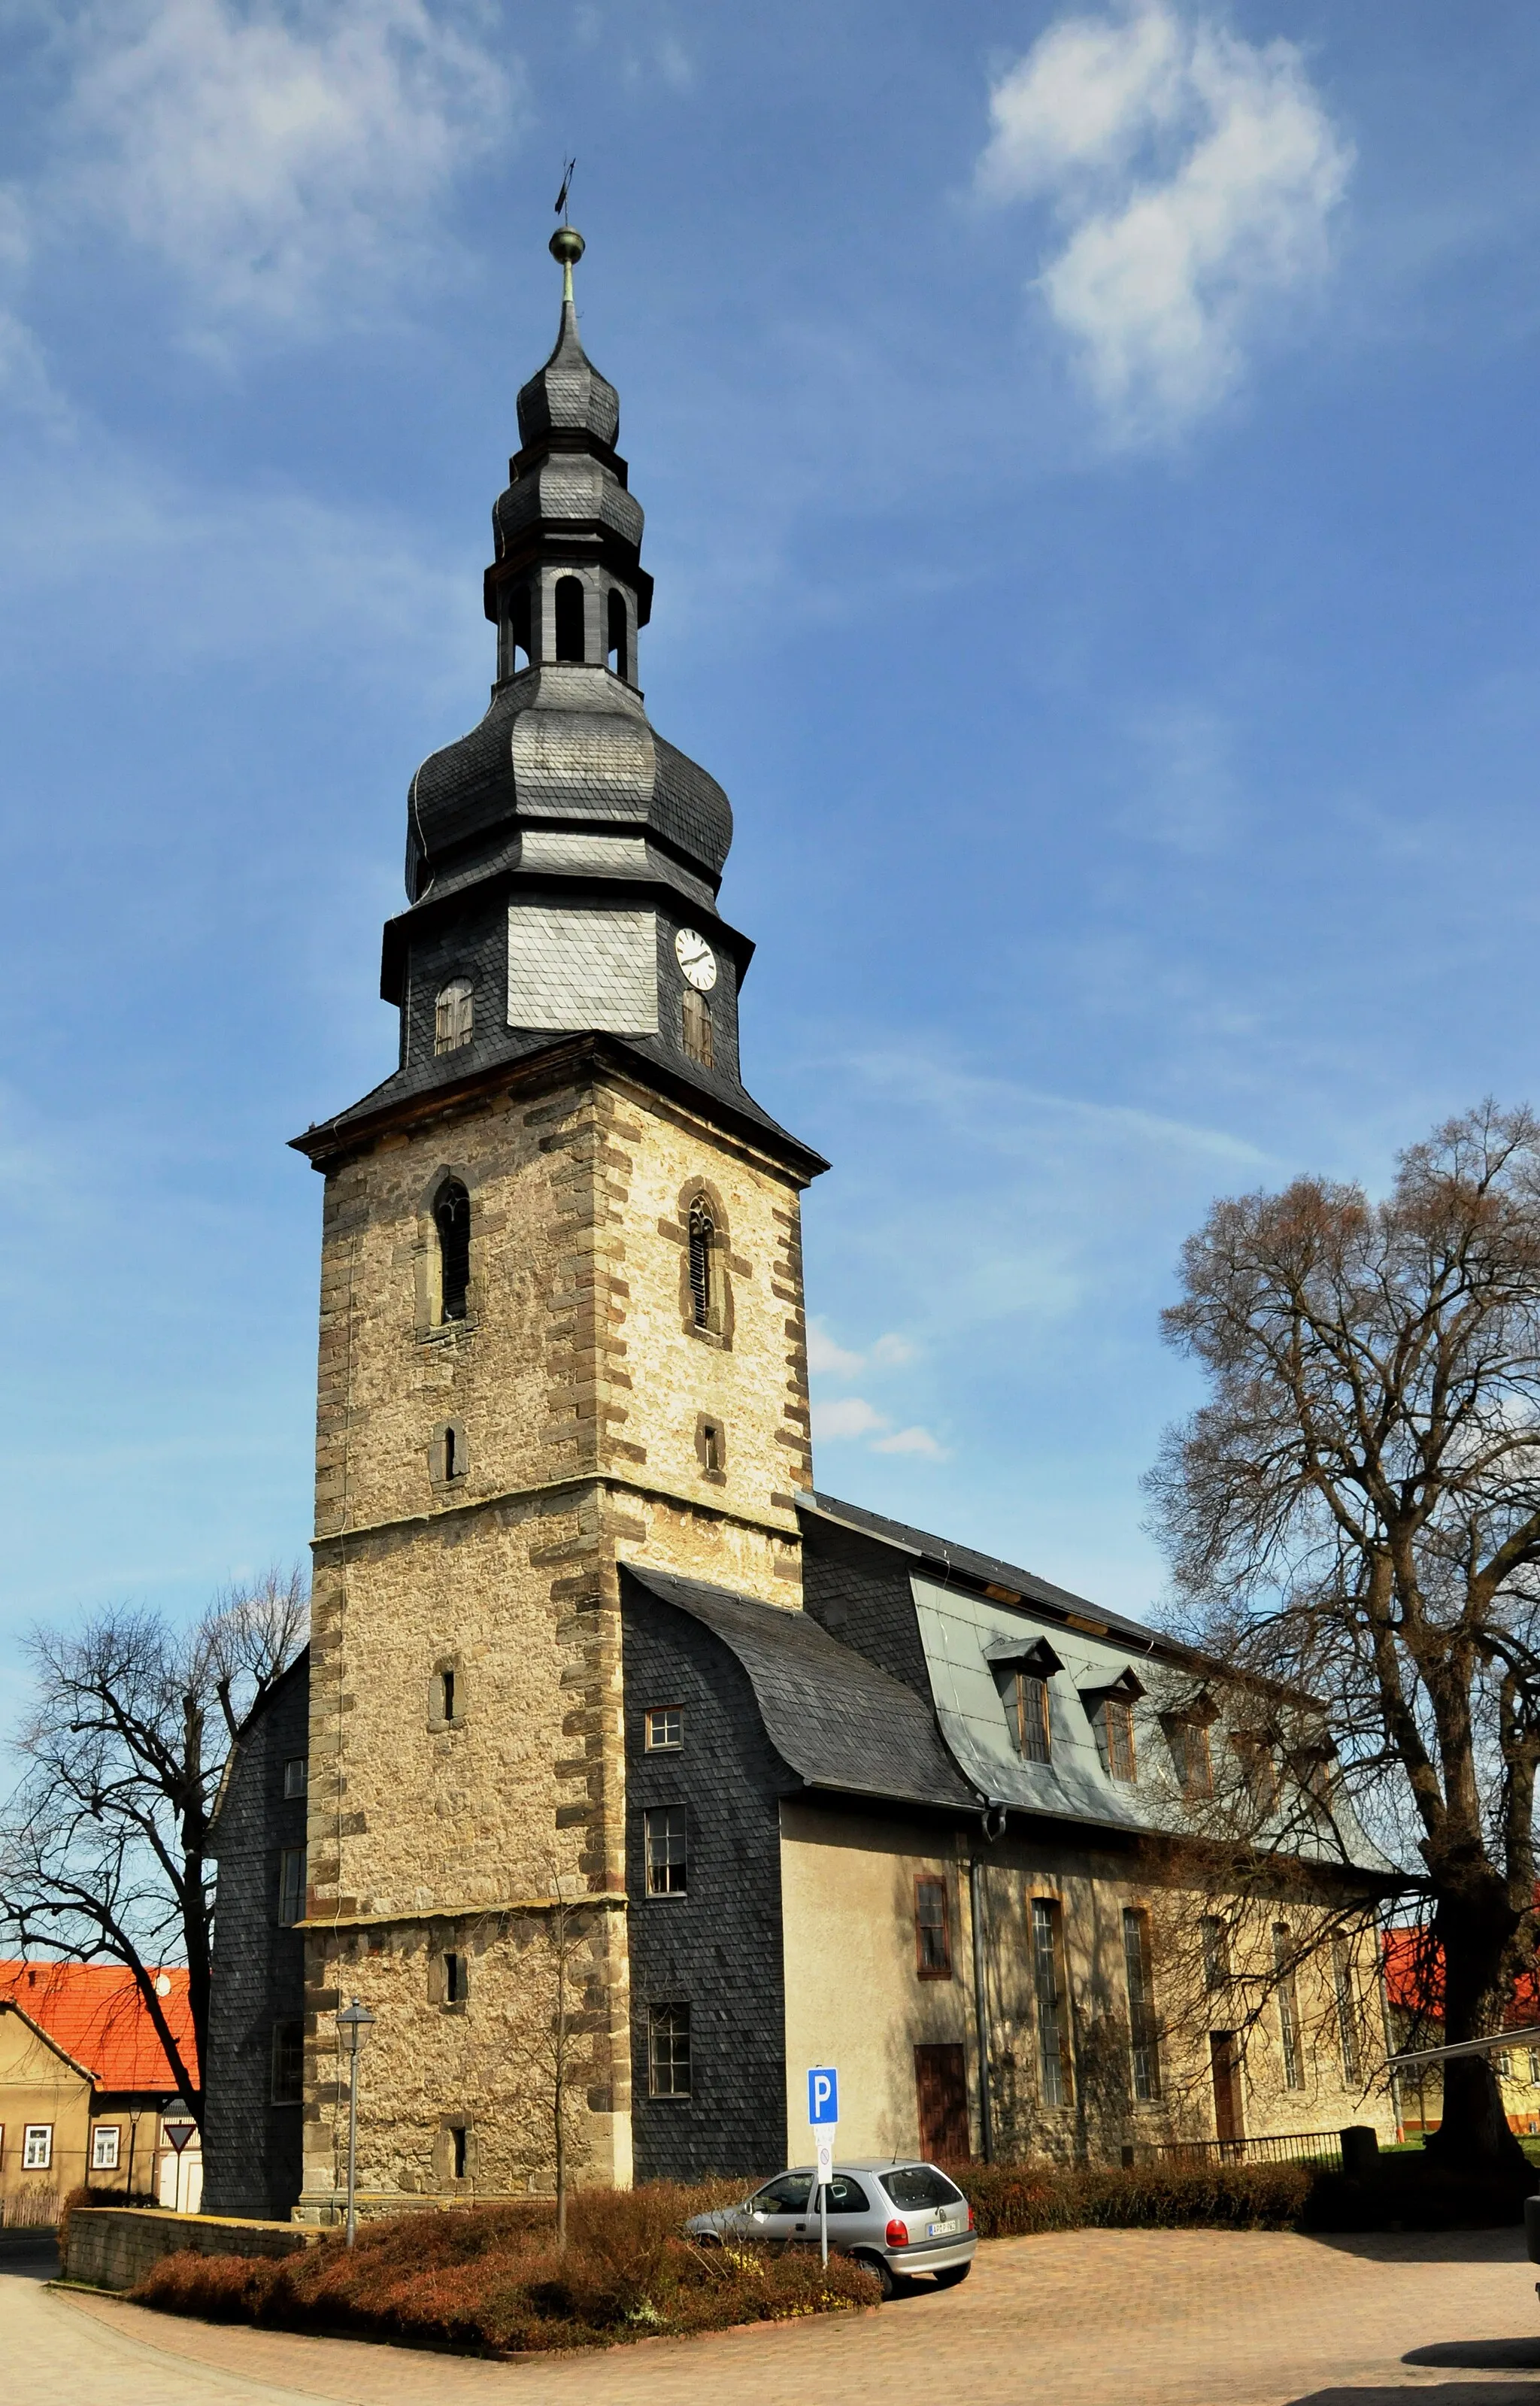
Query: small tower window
point(702, 1235)
point(453, 1016)
point(568, 618)
point(698, 1028)
point(615, 648)
point(452, 1217)
point(447, 1701)
point(516, 635)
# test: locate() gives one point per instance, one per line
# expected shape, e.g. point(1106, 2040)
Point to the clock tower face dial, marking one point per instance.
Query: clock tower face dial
point(696, 958)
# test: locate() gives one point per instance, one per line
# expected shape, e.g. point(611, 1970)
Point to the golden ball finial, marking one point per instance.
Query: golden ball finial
point(567, 246)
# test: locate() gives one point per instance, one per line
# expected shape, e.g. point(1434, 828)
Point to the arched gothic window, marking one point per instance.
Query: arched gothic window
point(452, 1015)
point(517, 632)
point(615, 645)
point(568, 618)
point(452, 1219)
point(702, 1237)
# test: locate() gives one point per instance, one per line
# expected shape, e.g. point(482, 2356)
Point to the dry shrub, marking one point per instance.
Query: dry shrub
point(491, 2280)
point(1012, 2200)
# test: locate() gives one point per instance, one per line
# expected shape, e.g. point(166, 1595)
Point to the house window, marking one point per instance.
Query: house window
point(105, 2139)
point(1347, 2015)
point(568, 618)
point(932, 1938)
point(1191, 1754)
point(1288, 2006)
point(702, 1235)
point(1141, 2006)
point(1048, 1970)
point(1535, 2067)
point(698, 1028)
point(452, 1219)
point(669, 2051)
point(289, 2064)
point(452, 1015)
point(290, 1884)
point(1034, 1730)
point(294, 1772)
point(37, 2147)
point(1114, 1725)
point(1216, 1952)
point(1504, 2061)
point(665, 1832)
point(663, 1730)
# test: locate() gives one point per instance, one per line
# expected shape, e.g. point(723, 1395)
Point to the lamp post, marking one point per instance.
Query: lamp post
point(353, 2024)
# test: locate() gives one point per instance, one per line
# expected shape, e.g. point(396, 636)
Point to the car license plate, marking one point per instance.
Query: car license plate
point(939, 2229)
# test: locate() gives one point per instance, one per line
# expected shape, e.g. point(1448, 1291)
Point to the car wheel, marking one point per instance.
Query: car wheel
point(883, 2270)
point(952, 2275)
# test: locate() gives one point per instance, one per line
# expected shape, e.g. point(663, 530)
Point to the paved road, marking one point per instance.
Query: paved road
point(1085, 2319)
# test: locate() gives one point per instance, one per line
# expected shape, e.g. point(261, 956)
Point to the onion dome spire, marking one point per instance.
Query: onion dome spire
point(569, 396)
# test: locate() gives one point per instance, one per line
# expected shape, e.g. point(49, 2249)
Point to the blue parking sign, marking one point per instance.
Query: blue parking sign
point(823, 2095)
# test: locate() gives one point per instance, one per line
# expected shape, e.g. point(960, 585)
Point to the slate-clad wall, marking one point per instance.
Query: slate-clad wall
point(251, 2147)
point(717, 1948)
point(859, 1591)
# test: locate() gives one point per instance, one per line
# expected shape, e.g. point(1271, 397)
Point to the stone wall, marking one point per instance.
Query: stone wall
point(113, 2247)
point(577, 1383)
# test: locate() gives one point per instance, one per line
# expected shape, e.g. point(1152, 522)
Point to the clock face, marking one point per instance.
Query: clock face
point(696, 958)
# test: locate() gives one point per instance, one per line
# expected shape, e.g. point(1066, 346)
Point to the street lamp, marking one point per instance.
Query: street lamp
point(353, 2024)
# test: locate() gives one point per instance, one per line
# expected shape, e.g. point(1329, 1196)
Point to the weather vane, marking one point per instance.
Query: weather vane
point(566, 245)
point(566, 188)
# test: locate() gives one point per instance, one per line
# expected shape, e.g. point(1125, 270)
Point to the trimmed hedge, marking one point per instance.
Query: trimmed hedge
point(1013, 2200)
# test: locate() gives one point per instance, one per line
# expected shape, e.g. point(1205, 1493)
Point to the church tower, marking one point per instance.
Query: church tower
point(561, 1328)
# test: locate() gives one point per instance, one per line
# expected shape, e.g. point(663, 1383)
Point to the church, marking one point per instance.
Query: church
point(627, 1774)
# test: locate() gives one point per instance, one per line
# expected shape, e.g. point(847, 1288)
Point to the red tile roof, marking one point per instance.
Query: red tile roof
point(96, 2014)
point(1414, 1981)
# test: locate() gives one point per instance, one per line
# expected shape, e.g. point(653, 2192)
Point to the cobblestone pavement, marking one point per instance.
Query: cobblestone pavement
point(1083, 2319)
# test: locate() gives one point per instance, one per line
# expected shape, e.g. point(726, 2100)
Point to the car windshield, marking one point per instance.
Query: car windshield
point(787, 2195)
point(918, 2185)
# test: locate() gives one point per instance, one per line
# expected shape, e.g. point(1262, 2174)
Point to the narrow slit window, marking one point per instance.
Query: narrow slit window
point(697, 1029)
point(453, 1015)
point(289, 2064)
point(1347, 2013)
point(711, 1446)
point(290, 1884)
point(1048, 1979)
point(1215, 1941)
point(1034, 1730)
point(568, 618)
point(615, 647)
point(459, 2150)
point(451, 1453)
point(702, 1237)
point(669, 2051)
point(452, 1219)
point(932, 1937)
point(445, 1698)
point(517, 632)
point(456, 1985)
point(1141, 2006)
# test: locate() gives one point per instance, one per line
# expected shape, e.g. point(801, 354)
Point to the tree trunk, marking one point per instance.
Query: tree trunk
point(1473, 1934)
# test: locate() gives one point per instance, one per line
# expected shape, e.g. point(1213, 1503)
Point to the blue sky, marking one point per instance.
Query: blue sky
point(1089, 466)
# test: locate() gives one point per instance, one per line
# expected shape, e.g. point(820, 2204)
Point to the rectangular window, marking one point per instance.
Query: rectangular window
point(932, 1939)
point(294, 1776)
point(664, 1730)
point(105, 2139)
point(1347, 2012)
point(1535, 2067)
point(1195, 1763)
point(1259, 1769)
point(1114, 1726)
point(1034, 1731)
point(1048, 1970)
point(289, 2064)
point(697, 1029)
point(1141, 2006)
point(1216, 1952)
point(1503, 2064)
point(669, 2051)
point(665, 1829)
point(1288, 2007)
point(456, 1986)
point(458, 2143)
point(290, 1884)
point(37, 2147)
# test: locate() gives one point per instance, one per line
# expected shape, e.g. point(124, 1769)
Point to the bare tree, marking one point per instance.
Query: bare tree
point(1355, 1511)
point(103, 1844)
point(550, 2036)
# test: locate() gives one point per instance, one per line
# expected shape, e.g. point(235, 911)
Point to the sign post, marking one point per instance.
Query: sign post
point(177, 2129)
point(824, 2114)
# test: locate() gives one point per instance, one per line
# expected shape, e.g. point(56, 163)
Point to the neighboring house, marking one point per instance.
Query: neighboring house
point(820, 1788)
point(1414, 2007)
point(85, 2088)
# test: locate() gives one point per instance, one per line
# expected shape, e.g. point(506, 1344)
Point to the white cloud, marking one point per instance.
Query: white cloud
point(826, 1359)
point(910, 1440)
point(286, 163)
point(1193, 176)
point(847, 1416)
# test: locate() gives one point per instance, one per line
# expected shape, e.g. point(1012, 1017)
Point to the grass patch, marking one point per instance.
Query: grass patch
point(489, 2281)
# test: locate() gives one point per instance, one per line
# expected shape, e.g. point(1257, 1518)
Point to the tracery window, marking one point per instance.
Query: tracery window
point(702, 1237)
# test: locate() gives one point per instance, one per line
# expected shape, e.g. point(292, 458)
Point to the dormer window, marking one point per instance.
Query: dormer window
point(1033, 1727)
point(1194, 1765)
point(1110, 1708)
point(1025, 1667)
point(452, 1015)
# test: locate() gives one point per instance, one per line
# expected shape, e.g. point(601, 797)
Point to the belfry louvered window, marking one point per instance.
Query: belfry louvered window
point(702, 1235)
point(453, 1014)
point(452, 1217)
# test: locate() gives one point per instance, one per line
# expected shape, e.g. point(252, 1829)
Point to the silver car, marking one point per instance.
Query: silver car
point(897, 2217)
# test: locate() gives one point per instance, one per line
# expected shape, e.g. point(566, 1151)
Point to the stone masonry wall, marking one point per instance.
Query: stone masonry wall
point(577, 1386)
